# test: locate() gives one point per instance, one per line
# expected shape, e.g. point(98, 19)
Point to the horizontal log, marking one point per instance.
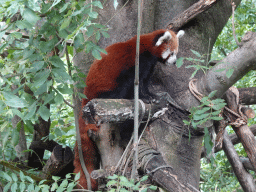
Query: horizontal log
point(120, 110)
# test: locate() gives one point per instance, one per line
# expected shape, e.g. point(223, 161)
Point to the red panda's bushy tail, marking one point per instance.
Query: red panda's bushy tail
point(90, 152)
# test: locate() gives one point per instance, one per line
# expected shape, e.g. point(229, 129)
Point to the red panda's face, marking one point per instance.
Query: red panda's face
point(169, 43)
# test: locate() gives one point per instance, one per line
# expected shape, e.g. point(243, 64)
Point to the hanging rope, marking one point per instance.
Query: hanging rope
point(241, 118)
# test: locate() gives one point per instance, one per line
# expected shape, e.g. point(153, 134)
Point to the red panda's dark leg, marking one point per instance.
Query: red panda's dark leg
point(147, 65)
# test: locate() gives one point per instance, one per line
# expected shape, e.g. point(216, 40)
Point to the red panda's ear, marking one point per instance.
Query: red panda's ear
point(165, 37)
point(180, 33)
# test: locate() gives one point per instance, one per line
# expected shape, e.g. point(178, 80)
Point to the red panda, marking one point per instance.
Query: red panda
point(113, 77)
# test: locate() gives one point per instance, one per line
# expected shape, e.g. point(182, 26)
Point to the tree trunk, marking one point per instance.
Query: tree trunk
point(178, 145)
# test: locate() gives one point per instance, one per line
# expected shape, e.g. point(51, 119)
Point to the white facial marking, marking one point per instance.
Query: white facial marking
point(172, 59)
point(166, 54)
point(180, 33)
point(166, 37)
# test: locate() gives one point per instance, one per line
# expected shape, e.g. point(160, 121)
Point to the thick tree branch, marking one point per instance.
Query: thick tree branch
point(59, 159)
point(241, 61)
point(245, 178)
point(247, 96)
point(190, 13)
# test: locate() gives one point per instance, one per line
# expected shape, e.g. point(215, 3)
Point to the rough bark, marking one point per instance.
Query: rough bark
point(180, 146)
point(58, 161)
point(239, 125)
point(241, 60)
point(22, 145)
point(190, 14)
point(245, 178)
point(120, 110)
point(247, 95)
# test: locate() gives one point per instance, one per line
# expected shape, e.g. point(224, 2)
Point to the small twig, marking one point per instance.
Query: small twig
point(65, 101)
point(223, 51)
point(233, 25)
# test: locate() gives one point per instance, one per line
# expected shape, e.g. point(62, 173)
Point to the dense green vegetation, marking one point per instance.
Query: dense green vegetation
point(30, 62)
point(219, 176)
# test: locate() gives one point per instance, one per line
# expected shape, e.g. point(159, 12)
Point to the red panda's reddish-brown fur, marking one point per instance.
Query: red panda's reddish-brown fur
point(102, 78)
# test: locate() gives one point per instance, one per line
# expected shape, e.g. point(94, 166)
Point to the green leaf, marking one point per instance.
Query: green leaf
point(216, 118)
point(37, 188)
point(179, 62)
point(64, 183)
point(89, 31)
point(45, 188)
point(93, 14)
point(105, 34)
point(41, 78)
point(186, 122)
point(42, 89)
point(96, 54)
point(71, 186)
point(29, 179)
point(113, 177)
point(49, 97)
point(62, 75)
point(31, 187)
point(144, 178)
point(22, 187)
point(28, 126)
point(79, 40)
point(22, 176)
point(152, 187)
point(30, 16)
point(7, 187)
point(97, 36)
point(207, 141)
point(65, 23)
point(54, 186)
point(193, 74)
point(212, 94)
point(220, 70)
point(44, 112)
point(14, 187)
point(14, 177)
point(65, 90)
point(15, 137)
point(54, 3)
point(203, 110)
point(77, 176)
point(229, 73)
point(115, 4)
point(64, 7)
point(196, 53)
point(5, 176)
point(57, 62)
point(16, 35)
point(31, 111)
point(111, 183)
point(58, 132)
point(36, 66)
point(202, 116)
point(13, 100)
point(97, 4)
